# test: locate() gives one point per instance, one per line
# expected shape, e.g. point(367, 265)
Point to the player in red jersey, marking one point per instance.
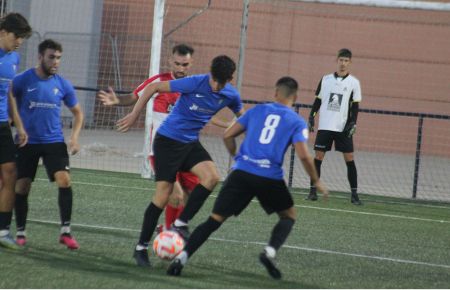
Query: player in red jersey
point(181, 62)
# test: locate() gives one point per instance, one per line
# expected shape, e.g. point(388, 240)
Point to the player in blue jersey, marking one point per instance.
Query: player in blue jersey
point(269, 130)
point(176, 145)
point(39, 93)
point(14, 29)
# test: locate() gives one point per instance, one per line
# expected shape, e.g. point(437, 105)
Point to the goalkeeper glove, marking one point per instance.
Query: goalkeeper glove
point(350, 129)
point(311, 124)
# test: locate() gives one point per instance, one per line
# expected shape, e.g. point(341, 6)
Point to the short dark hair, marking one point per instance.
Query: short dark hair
point(222, 69)
point(182, 49)
point(287, 85)
point(17, 24)
point(344, 52)
point(49, 44)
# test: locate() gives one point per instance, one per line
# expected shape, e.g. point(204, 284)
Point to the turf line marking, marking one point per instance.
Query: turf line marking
point(293, 191)
point(340, 253)
point(296, 205)
point(264, 244)
point(375, 214)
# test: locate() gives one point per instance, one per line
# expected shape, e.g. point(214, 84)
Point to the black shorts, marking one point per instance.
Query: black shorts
point(172, 156)
point(54, 155)
point(325, 138)
point(7, 147)
point(240, 187)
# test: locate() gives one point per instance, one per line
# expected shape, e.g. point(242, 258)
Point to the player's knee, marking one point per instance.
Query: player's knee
point(9, 173)
point(62, 179)
point(290, 213)
point(23, 186)
point(210, 180)
point(218, 218)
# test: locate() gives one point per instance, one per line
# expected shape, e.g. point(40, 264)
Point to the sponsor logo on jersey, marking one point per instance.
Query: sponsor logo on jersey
point(264, 163)
point(334, 102)
point(31, 89)
point(42, 105)
point(55, 91)
point(199, 96)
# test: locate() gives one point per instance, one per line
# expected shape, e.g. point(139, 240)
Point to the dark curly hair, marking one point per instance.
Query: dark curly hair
point(222, 69)
point(17, 24)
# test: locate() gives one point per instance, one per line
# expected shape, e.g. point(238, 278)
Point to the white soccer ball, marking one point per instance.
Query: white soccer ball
point(167, 245)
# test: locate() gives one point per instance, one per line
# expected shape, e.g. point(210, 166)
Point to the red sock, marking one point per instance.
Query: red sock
point(170, 215)
point(179, 210)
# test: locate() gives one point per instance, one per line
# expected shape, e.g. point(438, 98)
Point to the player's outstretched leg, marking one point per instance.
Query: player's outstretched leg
point(198, 237)
point(269, 263)
point(279, 235)
point(151, 217)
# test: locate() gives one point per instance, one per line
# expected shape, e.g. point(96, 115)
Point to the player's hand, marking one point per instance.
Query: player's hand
point(74, 147)
point(311, 124)
point(108, 98)
point(350, 129)
point(22, 137)
point(323, 189)
point(126, 122)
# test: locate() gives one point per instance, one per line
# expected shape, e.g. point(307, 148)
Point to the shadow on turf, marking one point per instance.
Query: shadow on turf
point(240, 279)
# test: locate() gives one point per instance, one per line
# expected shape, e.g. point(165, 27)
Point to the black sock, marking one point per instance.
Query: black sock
point(65, 197)
point(280, 232)
point(352, 176)
point(151, 217)
point(195, 201)
point(318, 164)
point(5, 220)
point(200, 235)
point(21, 210)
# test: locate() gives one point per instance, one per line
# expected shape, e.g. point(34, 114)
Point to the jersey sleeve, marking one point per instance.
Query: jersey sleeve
point(301, 132)
point(236, 104)
point(139, 90)
point(70, 99)
point(319, 88)
point(357, 92)
point(185, 85)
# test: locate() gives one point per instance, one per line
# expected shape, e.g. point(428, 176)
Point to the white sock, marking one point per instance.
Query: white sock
point(140, 247)
point(270, 252)
point(21, 233)
point(183, 257)
point(179, 223)
point(4, 233)
point(65, 230)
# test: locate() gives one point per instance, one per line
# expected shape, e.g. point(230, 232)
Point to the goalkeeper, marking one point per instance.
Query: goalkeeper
point(337, 97)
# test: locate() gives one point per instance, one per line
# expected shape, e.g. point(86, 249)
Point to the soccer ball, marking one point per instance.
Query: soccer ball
point(167, 245)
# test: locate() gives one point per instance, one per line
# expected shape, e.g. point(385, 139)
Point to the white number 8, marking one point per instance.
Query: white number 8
point(267, 133)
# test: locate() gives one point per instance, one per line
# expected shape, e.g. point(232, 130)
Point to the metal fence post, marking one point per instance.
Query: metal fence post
point(292, 159)
point(417, 163)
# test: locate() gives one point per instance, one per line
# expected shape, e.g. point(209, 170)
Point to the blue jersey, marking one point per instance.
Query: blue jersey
point(39, 104)
point(270, 129)
point(8, 66)
point(196, 106)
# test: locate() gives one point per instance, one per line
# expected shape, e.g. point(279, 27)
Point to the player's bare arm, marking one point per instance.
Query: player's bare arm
point(74, 146)
point(303, 154)
point(216, 121)
point(14, 114)
point(110, 98)
point(126, 122)
point(229, 137)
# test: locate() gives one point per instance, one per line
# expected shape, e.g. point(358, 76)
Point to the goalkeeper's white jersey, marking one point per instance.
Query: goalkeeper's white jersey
point(336, 94)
